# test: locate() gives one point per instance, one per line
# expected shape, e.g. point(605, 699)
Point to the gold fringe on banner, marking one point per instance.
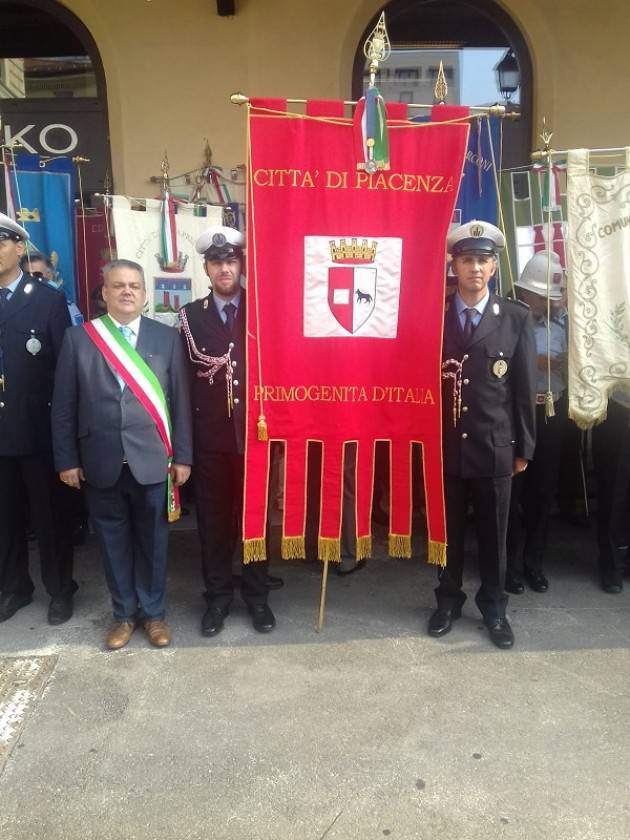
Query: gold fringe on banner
point(364, 547)
point(263, 433)
point(254, 551)
point(399, 545)
point(329, 549)
point(293, 548)
point(437, 553)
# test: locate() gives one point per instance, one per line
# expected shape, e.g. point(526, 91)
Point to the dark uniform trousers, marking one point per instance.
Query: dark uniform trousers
point(611, 460)
point(28, 483)
point(533, 491)
point(218, 478)
point(490, 499)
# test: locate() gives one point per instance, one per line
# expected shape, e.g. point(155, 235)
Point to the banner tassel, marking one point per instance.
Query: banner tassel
point(550, 410)
point(293, 548)
point(437, 553)
point(263, 432)
point(399, 545)
point(329, 549)
point(364, 547)
point(254, 551)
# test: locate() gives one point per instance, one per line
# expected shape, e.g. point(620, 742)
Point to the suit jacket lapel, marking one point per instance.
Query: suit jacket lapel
point(489, 321)
point(20, 298)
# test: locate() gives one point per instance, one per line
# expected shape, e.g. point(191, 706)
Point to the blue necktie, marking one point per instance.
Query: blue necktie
point(468, 323)
point(230, 315)
point(126, 333)
point(4, 297)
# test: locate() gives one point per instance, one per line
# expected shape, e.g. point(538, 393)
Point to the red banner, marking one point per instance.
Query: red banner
point(346, 276)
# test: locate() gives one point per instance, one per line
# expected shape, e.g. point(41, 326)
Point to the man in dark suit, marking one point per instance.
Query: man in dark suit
point(213, 329)
point(33, 319)
point(489, 424)
point(105, 433)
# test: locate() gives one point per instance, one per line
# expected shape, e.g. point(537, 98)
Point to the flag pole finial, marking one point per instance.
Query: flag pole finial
point(377, 48)
point(440, 91)
point(164, 166)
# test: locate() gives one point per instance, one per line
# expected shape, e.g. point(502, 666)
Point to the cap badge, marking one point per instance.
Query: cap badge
point(476, 231)
point(499, 368)
point(218, 239)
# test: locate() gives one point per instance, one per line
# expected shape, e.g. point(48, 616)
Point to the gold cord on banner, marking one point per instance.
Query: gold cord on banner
point(254, 551)
point(261, 425)
point(437, 553)
point(399, 545)
point(497, 186)
point(77, 162)
point(293, 548)
point(329, 549)
point(546, 136)
point(364, 547)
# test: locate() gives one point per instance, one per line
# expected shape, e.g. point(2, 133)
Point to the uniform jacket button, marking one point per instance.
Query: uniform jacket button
point(235, 382)
point(236, 400)
point(466, 381)
point(464, 435)
point(464, 408)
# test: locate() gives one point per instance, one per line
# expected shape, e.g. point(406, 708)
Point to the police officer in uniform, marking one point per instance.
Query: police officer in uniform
point(489, 424)
point(534, 490)
point(213, 329)
point(33, 319)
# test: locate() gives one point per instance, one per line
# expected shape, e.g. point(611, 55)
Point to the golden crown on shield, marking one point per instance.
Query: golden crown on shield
point(346, 251)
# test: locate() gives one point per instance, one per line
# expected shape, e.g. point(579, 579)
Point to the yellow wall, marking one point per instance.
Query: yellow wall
point(171, 66)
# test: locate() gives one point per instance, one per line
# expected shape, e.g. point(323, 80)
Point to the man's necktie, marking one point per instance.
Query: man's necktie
point(4, 297)
point(469, 314)
point(230, 315)
point(126, 333)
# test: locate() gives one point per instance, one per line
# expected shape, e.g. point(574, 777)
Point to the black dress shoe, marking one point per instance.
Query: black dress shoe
point(360, 564)
point(514, 584)
point(212, 620)
point(501, 633)
point(536, 580)
point(272, 582)
point(262, 618)
point(60, 609)
point(612, 586)
point(442, 620)
point(10, 604)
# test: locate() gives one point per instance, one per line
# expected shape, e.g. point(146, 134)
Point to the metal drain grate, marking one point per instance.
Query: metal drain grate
point(22, 681)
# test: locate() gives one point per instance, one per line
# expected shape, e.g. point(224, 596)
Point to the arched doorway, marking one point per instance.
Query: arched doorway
point(470, 38)
point(53, 99)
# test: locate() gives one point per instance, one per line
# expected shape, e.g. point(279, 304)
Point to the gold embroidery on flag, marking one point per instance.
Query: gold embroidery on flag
point(399, 545)
point(254, 551)
point(329, 548)
point(364, 547)
point(293, 548)
point(437, 553)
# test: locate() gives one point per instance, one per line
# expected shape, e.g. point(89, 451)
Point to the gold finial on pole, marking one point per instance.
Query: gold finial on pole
point(239, 98)
point(440, 91)
point(164, 166)
point(545, 136)
point(107, 182)
point(377, 48)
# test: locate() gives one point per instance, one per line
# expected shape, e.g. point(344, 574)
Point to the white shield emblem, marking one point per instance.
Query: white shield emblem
point(351, 297)
point(351, 294)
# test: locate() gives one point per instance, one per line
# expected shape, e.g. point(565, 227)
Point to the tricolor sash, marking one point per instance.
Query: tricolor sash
point(138, 376)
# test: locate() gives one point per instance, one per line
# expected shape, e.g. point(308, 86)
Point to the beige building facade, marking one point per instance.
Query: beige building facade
point(170, 67)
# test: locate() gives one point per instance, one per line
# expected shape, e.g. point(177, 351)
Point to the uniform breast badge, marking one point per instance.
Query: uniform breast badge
point(499, 368)
point(33, 345)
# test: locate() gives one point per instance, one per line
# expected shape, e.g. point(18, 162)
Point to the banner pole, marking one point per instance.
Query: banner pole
point(322, 597)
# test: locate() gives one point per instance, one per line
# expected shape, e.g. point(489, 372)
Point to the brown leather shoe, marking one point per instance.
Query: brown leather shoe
point(119, 634)
point(159, 633)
